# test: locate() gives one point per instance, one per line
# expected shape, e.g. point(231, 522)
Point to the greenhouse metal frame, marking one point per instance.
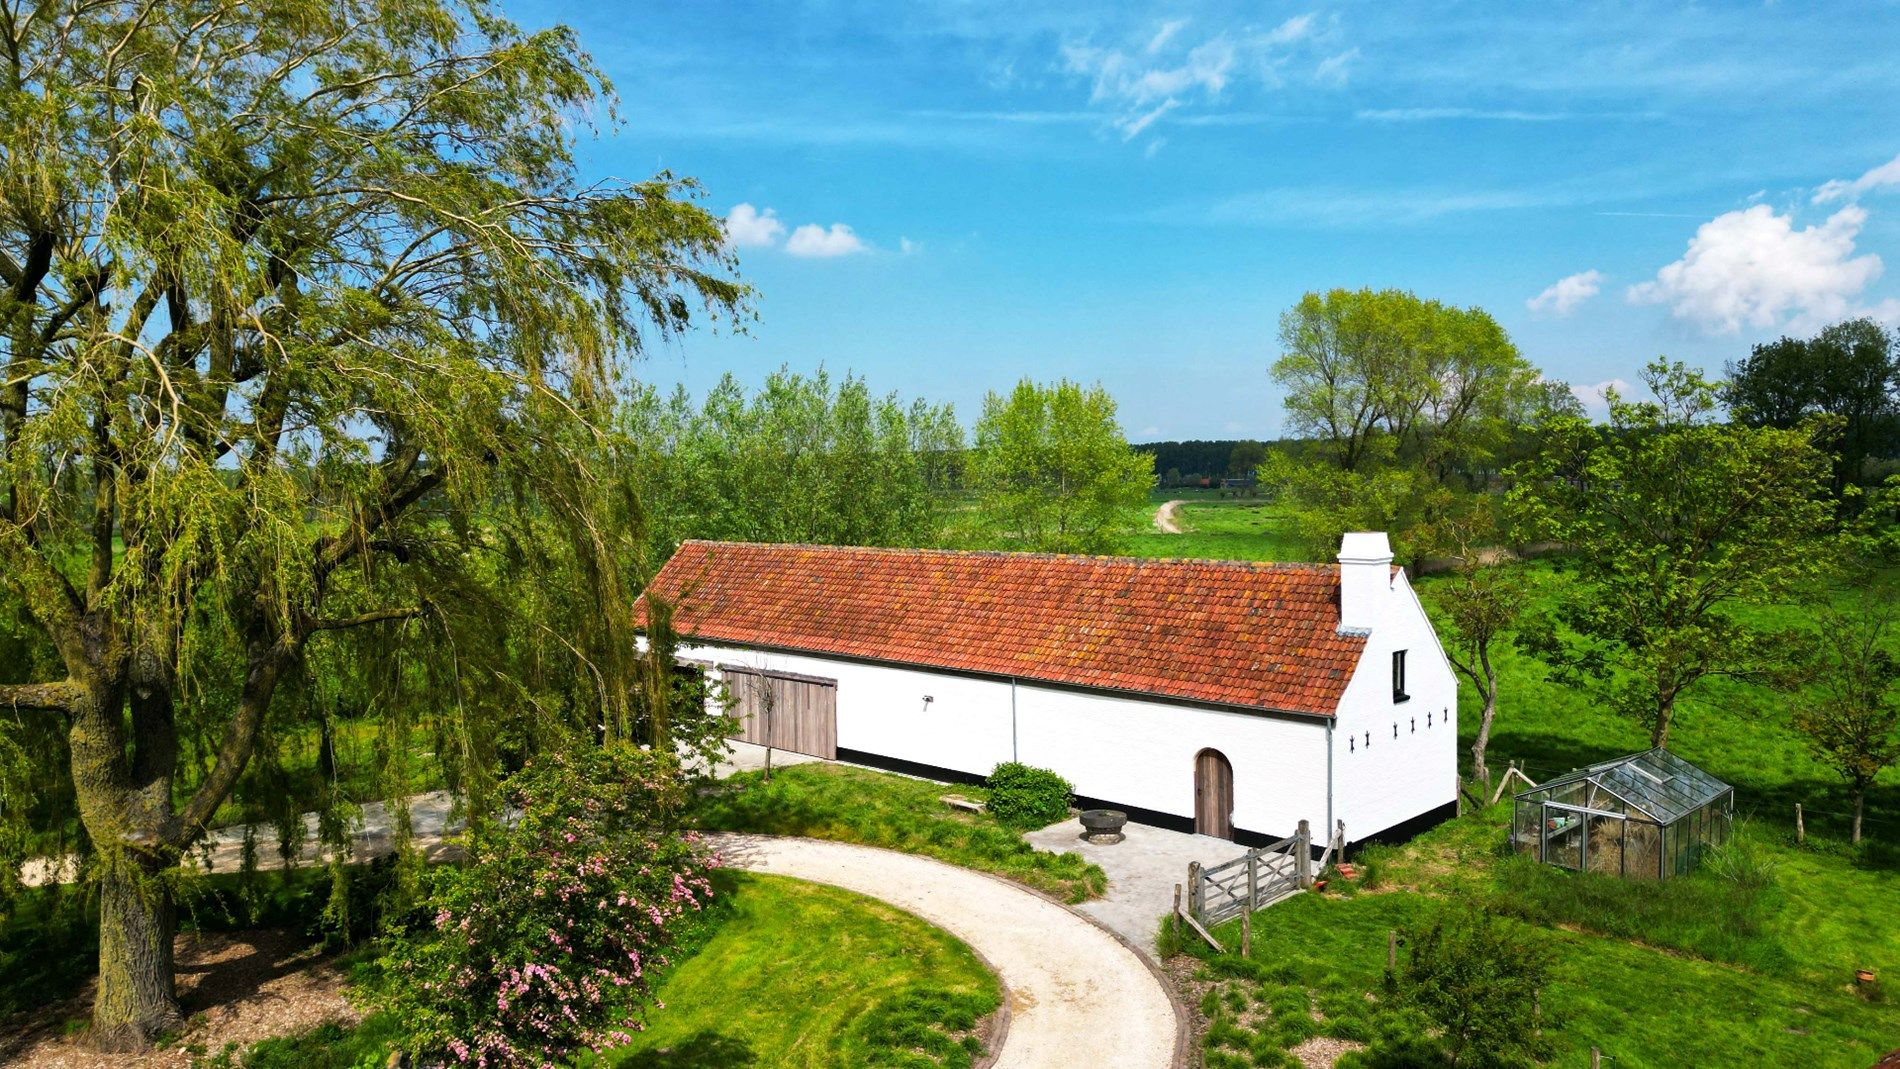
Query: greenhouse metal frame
point(1648, 816)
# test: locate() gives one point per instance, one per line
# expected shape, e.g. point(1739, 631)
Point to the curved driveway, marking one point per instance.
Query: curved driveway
point(1077, 995)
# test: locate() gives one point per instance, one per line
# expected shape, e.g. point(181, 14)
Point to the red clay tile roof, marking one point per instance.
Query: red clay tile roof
point(1228, 632)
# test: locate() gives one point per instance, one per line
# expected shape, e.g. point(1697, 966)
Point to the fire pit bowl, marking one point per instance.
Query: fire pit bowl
point(1103, 825)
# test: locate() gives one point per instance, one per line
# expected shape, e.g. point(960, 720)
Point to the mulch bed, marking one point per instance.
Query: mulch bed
point(235, 987)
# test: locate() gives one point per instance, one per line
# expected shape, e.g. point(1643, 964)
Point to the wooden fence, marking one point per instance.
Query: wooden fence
point(1257, 879)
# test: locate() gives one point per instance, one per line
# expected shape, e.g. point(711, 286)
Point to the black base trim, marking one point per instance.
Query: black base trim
point(1397, 833)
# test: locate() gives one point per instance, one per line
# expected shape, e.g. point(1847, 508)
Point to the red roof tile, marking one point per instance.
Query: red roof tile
point(1228, 632)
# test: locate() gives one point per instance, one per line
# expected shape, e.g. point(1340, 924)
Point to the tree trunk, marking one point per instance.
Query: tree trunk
point(136, 1001)
point(1665, 712)
point(1484, 728)
point(1860, 804)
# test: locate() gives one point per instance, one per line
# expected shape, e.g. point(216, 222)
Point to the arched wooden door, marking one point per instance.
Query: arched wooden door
point(1213, 795)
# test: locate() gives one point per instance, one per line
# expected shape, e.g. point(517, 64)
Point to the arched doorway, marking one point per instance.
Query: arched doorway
point(1213, 795)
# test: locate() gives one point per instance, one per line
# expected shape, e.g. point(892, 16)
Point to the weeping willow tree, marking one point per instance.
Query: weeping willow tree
point(308, 338)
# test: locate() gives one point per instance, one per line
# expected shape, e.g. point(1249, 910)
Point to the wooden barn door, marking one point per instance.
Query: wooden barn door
point(796, 713)
point(1213, 795)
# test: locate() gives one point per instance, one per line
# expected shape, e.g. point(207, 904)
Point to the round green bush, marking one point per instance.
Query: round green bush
point(1023, 796)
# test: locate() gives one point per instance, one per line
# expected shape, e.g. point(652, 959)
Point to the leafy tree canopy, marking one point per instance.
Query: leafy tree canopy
point(1052, 472)
point(1850, 370)
point(1674, 521)
point(805, 459)
point(308, 334)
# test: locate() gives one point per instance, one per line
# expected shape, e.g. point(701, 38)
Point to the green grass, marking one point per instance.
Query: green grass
point(876, 809)
point(787, 974)
point(1221, 529)
point(1642, 1005)
point(801, 974)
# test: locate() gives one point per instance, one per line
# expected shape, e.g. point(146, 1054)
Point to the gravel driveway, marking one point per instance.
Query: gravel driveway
point(1077, 995)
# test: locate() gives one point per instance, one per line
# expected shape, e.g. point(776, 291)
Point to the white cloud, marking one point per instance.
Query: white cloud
point(1150, 76)
point(813, 240)
point(1887, 174)
point(1754, 268)
point(747, 226)
point(1334, 69)
point(909, 247)
point(1564, 295)
point(1595, 397)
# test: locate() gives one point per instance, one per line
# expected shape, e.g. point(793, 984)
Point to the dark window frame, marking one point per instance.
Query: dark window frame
point(1399, 696)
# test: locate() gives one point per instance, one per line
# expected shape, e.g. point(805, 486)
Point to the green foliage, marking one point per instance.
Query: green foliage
point(1052, 471)
point(545, 940)
point(860, 806)
point(1478, 980)
point(306, 403)
point(1382, 375)
point(1674, 522)
point(1854, 726)
point(805, 459)
point(1850, 371)
point(327, 1046)
point(1023, 796)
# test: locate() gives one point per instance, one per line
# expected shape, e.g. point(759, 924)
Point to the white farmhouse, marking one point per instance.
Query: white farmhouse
point(1232, 697)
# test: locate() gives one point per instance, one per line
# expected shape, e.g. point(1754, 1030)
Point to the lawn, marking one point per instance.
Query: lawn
point(1217, 528)
point(789, 974)
point(800, 974)
point(858, 805)
point(1642, 1004)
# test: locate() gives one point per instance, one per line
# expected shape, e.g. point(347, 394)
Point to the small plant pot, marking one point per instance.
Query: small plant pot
point(1103, 825)
point(1319, 885)
point(1864, 976)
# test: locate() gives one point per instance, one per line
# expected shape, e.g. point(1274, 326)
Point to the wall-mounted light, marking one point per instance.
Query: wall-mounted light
point(927, 700)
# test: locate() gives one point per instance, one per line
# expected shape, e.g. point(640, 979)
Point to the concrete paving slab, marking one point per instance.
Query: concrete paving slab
point(1142, 871)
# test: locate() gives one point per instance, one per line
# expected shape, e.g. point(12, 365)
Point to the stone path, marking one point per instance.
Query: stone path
point(1142, 871)
point(1076, 994)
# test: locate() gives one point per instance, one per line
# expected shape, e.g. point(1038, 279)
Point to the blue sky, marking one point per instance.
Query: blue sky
point(948, 196)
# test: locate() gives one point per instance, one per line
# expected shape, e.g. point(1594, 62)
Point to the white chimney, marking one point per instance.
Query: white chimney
point(1365, 579)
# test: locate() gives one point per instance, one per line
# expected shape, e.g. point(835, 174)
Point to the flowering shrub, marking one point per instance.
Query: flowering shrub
point(545, 940)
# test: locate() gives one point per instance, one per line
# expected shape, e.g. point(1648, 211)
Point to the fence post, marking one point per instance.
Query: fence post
point(1303, 857)
point(1246, 933)
point(1800, 826)
point(1392, 952)
point(1253, 884)
point(1341, 832)
point(1195, 903)
point(1596, 1058)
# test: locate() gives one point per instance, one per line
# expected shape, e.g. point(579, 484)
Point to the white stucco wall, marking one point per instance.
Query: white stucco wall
point(1394, 779)
point(1140, 753)
point(1125, 750)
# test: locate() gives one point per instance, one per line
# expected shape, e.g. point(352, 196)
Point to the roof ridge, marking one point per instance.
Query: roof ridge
point(1016, 554)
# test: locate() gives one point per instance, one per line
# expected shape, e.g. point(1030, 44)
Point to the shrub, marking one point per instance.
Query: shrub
point(1024, 796)
point(1477, 977)
point(547, 939)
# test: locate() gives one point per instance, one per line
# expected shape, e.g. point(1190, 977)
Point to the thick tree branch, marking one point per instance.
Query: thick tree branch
point(376, 617)
point(60, 697)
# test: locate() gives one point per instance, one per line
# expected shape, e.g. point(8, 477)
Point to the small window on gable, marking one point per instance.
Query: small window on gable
point(1398, 677)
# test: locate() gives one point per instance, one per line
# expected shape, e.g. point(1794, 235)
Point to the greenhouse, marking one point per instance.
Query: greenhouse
point(1647, 816)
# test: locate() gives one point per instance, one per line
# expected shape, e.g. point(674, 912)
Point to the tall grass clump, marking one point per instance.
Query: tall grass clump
point(1722, 911)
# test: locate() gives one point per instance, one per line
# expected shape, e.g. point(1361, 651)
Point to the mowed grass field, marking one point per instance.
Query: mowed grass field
point(1754, 970)
point(1216, 528)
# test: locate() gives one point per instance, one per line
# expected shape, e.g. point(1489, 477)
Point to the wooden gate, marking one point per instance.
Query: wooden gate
point(796, 713)
point(1213, 795)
